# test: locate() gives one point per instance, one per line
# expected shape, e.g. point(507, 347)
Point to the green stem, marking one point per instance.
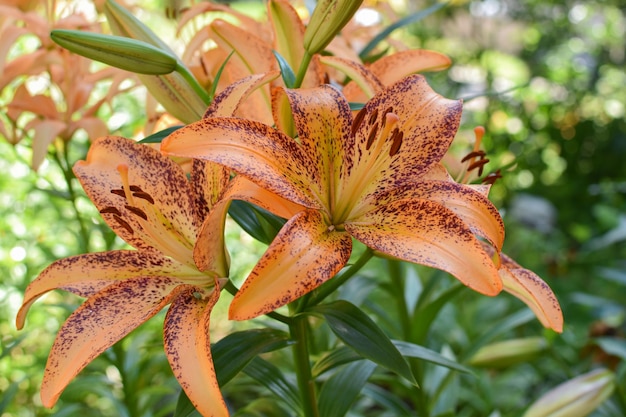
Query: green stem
point(330, 286)
point(64, 165)
point(191, 80)
point(304, 66)
point(299, 333)
point(396, 274)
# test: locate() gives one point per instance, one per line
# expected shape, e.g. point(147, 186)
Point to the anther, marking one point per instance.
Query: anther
point(371, 137)
point(373, 117)
point(119, 191)
point(492, 177)
point(145, 196)
point(396, 141)
point(480, 164)
point(123, 223)
point(474, 154)
point(137, 212)
point(110, 210)
point(358, 120)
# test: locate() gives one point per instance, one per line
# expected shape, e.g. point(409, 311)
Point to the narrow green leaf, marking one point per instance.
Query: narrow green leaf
point(272, 378)
point(412, 18)
point(388, 399)
point(218, 75)
point(426, 312)
point(412, 350)
point(257, 222)
point(289, 77)
point(341, 390)
point(158, 137)
point(333, 359)
point(360, 333)
point(232, 353)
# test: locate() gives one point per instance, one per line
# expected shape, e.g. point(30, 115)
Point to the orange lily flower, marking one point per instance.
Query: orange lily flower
point(148, 201)
point(376, 177)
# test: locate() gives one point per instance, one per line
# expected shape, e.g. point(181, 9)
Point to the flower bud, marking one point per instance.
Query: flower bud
point(329, 17)
point(177, 92)
point(125, 53)
point(509, 352)
point(575, 398)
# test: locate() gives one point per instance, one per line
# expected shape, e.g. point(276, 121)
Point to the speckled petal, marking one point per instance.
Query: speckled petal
point(188, 350)
point(212, 231)
point(264, 155)
point(470, 205)
point(159, 213)
point(426, 124)
point(304, 254)
point(364, 78)
point(323, 119)
point(532, 290)
point(427, 233)
point(100, 322)
point(87, 274)
point(392, 68)
point(228, 100)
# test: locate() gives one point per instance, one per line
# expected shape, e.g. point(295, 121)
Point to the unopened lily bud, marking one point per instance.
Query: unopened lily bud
point(509, 352)
point(329, 17)
point(120, 52)
point(577, 397)
point(177, 92)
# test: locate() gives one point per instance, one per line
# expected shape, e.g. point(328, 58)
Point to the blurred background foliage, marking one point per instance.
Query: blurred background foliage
point(547, 80)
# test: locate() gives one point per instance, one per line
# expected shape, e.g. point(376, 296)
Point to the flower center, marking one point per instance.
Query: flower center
point(383, 141)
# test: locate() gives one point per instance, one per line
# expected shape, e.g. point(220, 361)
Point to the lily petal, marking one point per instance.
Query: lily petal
point(392, 68)
point(365, 79)
point(266, 156)
point(304, 254)
point(212, 231)
point(322, 117)
point(100, 322)
point(157, 213)
point(532, 290)
point(228, 101)
point(472, 206)
point(427, 233)
point(400, 135)
point(87, 274)
point(188, 349)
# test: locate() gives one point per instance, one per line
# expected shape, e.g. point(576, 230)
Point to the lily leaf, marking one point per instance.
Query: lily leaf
point(272, 378)
point(157, 137)
point(359, 332)
point(412, 18)
point(232, 353)
point(340, 391)
point(218, 75)
point(257, 222)
point(345, 355)
point(425, 314)
point(289, 77)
